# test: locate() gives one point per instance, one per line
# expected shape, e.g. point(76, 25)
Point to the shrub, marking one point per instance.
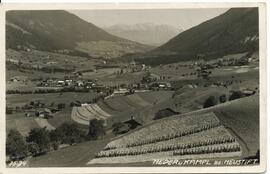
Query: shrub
point(55, 145)
point(222, 98)
point(236, 95)
point(61, 105)
point(210, 101)
point(9, 110)
point(33, 148)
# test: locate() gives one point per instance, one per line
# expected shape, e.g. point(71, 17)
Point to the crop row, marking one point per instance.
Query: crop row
point(206, 150)
point(177, 134)
point(165, 127)
point(163, 148)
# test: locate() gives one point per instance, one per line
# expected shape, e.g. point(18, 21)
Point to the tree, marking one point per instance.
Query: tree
point(69, 133)
point(96, 129)
point(33, 148)
point(222, 98)
point(61, 105)
point(236, 95)
point(210, 101)
point(40, 136)
point(56, 135)
point(9, 110)
point(16, 146)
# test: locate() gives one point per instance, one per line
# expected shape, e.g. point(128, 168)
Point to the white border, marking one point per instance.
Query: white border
point(243, 169)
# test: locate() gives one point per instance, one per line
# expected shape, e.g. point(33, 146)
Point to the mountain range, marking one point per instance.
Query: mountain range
point(235, 31)
point(61, 31)
point(145, 33)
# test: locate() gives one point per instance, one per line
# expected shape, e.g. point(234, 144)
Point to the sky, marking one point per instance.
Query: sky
point(180, 18)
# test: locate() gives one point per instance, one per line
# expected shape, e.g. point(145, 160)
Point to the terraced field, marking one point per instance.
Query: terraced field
point(193, 136)
point(155, 97)
point(119, 108)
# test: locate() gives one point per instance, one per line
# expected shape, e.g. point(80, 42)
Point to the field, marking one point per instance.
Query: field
point(43, 58)
point(66, 97)
point(24, 124)
point(222, 124)
point(75, 156)
point(121, 108)
point(109, 77)
point(186, 70)
point(196, 134)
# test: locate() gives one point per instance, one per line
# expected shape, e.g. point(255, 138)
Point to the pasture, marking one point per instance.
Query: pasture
point(24, 124)
point(121, 108)
point(13, 100)
point(73, 156)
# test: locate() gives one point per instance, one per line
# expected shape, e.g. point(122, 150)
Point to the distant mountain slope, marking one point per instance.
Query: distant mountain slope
point(235, 31)
point(58, 30)
point(146, 33)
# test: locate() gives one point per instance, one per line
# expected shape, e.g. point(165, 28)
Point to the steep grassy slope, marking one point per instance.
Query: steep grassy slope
point(56, 30)
point(235, 122)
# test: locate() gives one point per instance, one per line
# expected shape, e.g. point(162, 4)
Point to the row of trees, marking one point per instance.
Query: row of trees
point(45, 91)
point(40, 140)
point(212, 100)
point(11, 110)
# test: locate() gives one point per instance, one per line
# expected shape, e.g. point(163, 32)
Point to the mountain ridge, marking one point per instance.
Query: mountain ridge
point(234, 31)
point(54, 30)
point(145, 33)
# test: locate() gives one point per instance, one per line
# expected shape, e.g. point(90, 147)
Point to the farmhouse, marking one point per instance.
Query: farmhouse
point(45, 113)
point(120, 91)
point(60, 83)
point(248, 92)
point(165, 113)
point(132, 63)
point(79, 83)
point(14, 79)
point(132, 123)
point(154, 77)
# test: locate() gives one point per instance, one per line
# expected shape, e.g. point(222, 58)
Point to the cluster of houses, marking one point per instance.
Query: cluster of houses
point(39, 109)
point(67, 83)
point(133, 67)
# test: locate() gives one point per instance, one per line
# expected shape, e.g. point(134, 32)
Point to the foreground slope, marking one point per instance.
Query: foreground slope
point(226, 130)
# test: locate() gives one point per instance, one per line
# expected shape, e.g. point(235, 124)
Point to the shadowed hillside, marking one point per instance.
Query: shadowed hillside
point(235, 31)
point(61, 31)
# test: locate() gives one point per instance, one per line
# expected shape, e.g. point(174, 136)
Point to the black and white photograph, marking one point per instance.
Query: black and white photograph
point(127, 87)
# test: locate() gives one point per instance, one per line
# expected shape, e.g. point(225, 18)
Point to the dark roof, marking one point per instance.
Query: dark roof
point(132, 123)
